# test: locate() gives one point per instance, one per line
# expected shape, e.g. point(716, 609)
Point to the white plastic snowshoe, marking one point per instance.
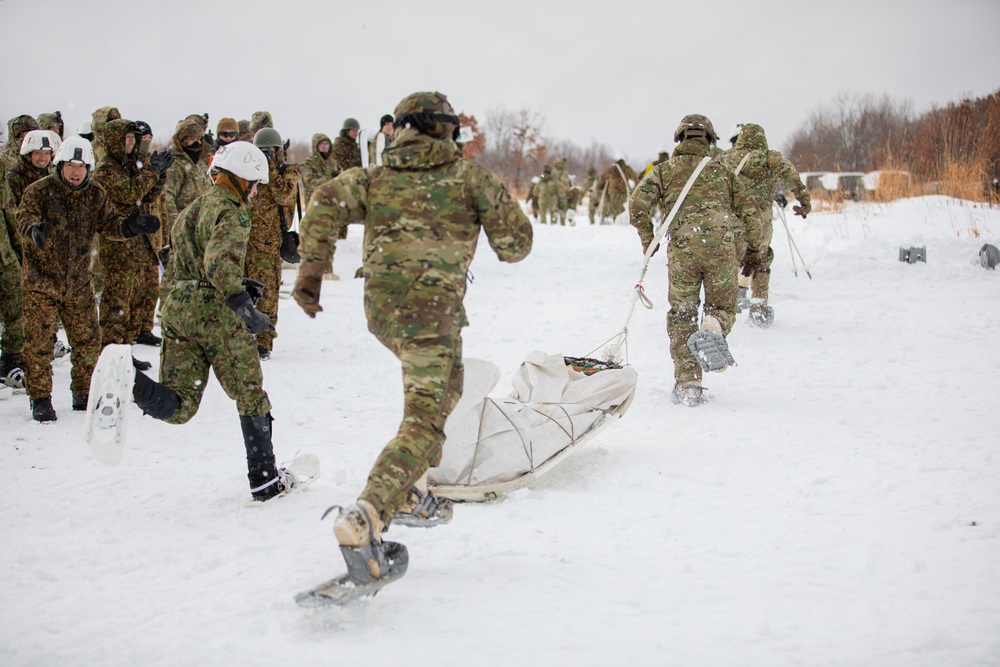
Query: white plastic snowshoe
point(292, 478)
point(109, 402)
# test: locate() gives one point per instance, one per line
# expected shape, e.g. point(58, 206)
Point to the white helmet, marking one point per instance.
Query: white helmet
point(40, 140)
point(76, 149)
point(734, 133)
point(84, 128)
point(243, 159)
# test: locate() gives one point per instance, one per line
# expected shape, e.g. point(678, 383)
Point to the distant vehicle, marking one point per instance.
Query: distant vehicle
point(847, 183)
point(812, 179)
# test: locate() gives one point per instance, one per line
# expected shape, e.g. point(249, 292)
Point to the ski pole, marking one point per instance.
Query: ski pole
point(791, 241)
point(781, 214)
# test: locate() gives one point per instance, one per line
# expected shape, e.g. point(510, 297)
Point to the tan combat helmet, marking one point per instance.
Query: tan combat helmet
point(695, 125)
point(429, 113)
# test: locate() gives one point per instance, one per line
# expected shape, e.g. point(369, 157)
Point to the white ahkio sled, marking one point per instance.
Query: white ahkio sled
point(110, 399)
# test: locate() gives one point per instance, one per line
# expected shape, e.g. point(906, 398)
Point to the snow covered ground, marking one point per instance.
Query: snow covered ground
point(837, 503)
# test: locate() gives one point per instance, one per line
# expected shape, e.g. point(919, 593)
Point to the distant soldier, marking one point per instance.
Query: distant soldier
point(226, 132)
point(765, 174)
point(548, 197)
point(319, 168)
point(381, 141)
point(187, 179)
point(589, 187)
point(37, 150)
point(129, 264)
point(613, 189)
point(98, 120)
point(52, 121)
point(563, 184)
point(346, 152)
point(57, 220)
point(245, 133)
point(423, 211)
point(702, 249)
point(271, 214)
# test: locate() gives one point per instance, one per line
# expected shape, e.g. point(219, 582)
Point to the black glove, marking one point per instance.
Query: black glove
point(782, 200)
point(256, 321)
point(39, 232)
point(281, 168)
point(136, 224)
point(161, 161)
point(254, 289)
point(288, 142)
point(290, 247)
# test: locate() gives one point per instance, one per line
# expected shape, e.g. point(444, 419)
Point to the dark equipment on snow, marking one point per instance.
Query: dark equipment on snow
point(989, 256)
point(913, 255)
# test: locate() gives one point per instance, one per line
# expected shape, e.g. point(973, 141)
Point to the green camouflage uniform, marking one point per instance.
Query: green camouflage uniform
point(547, 191)
point(15, 178)
point(316, 171)
point(346, 152)
point(128, 264)
point(763, 175)
point(56, 279)
point(702, 246)
point(187, 179)
point(563, 185)
point(52, 121)
point(422, 211)
point(271, 213)
point(614, 190)
point(199, 330)
point(98, 120)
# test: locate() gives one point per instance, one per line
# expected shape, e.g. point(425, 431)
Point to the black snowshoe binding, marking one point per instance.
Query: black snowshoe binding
point(11, 373)
point(424, 510)
point(42, 410)
point(369, 567)
point(141, 365)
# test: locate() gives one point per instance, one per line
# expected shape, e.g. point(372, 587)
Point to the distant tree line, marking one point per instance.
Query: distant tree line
point(867, 133)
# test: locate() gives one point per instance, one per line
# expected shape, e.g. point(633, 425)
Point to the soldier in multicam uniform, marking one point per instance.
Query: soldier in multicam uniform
point(614, 187)
point(37, 150)
point(187, 180)
point(346, 152)
point(563, 184)
point(764, 173)
point(702, 248)
point(271, 213)
point(319, 168)
point(423, 212)
point(548, 197)
point(129, 264)
point(58, 218)
point(209, 320)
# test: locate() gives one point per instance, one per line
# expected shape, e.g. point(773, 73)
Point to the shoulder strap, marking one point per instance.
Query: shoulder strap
point(676, 207)
point(742, 163)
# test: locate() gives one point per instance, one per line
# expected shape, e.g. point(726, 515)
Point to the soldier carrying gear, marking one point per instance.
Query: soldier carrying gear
point(423, 211)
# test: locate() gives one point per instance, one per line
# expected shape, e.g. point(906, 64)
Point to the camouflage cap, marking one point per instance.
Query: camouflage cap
point(425, 101)
point(696, 121)
point(752, 136)
point(47, 121)
point(19, 126)
point(245, 133)
point(189, 129)
point(260, 119)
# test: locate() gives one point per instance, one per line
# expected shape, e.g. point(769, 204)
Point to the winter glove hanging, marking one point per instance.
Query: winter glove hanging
point(804, 209)
point(290, 247)
point(307, 287)
point(255, 289)
point(256, 321)
point(39, 233)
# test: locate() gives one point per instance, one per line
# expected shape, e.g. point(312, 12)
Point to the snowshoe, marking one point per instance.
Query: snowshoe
point(424, 510)
point(14, 379)
point(42, 410)
point(711, 350)
point(347, 587)
point(60, 349)
point(761, 316)
point(690, 395)
point(108, 404)
point(300, 473)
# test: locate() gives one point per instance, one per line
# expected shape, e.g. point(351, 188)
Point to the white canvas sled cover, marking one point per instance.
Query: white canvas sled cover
point(496, 444)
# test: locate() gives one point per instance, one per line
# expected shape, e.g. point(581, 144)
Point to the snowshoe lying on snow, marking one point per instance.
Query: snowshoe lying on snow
point(108, 404)
point(371, 563)
point(497, 444)
point(709, 346)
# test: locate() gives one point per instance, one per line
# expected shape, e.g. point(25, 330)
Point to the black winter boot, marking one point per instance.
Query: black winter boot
point(266, 481)
point(141, 365)
point(156, 400)
point(80, 401)
point(42, 410)
point(148, 338)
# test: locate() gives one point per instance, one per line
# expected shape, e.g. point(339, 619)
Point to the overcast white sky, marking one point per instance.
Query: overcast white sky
point(619, 72)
